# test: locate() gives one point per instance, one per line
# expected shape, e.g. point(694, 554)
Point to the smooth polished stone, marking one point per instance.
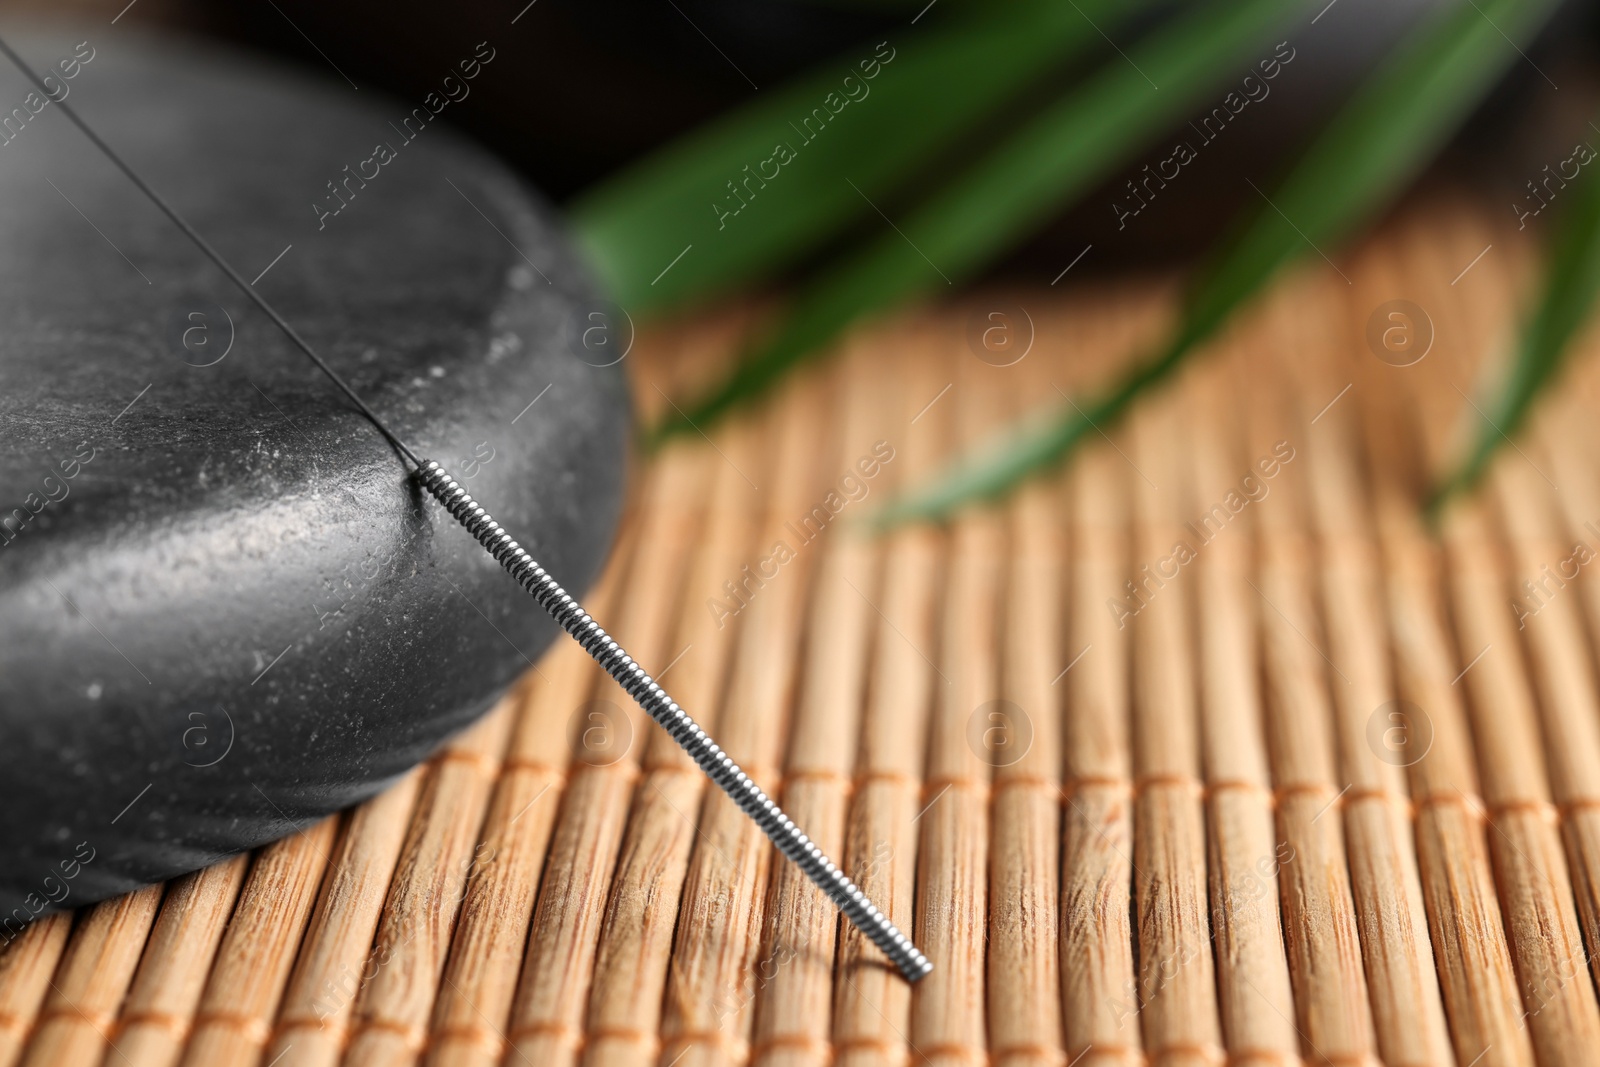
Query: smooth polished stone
point(226, 609)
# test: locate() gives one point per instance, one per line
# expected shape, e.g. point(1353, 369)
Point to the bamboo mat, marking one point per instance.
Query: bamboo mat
point(1201, 750)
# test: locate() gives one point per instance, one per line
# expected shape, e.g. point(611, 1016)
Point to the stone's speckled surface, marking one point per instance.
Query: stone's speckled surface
point(229, 612)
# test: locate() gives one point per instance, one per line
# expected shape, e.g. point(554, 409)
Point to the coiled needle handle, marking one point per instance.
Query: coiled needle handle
point(663, 709)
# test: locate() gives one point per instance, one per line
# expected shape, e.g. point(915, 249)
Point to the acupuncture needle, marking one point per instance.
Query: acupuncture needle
point(561, 606)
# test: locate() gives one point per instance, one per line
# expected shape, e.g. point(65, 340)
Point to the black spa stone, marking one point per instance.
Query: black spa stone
point(225, 609)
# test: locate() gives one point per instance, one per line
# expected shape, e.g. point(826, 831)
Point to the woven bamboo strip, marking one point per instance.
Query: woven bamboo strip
point(1408, 1012)
point(548, 1012)
point(1563, 672)
point(1253, 986)
point(794, 972)
point(1564, 540)
point(475, 1004)
point(159, 1012)
point(1177, 981)
point(1024, 973)
point(1532, 872)
point(968, 733)
point(708, 546)
point(313, 1023)
point(1568, 438)
point(1560, 661)
point(1472, 957)
point(78, 1020)
point(441, 855)
point(1024, 966)
point(1471, 954)
point(1100, 994)
point(26, 965)
point(246, 981)
point(486, 952)
point(1319, 919)
point(710, 984)
point(636, 939)
point(1530, 865)
point(1566, 435)
point(1551, 624)
point(872, 1004)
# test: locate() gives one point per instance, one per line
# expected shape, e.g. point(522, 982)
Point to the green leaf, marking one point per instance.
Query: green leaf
point(1060, 154)
point(1395, 123)
point(1572, 280)
point(932, 90)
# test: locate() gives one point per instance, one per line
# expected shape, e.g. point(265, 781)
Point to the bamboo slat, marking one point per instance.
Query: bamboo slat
point(793, 980)
point(1561, 646)
point(696, 642)
point(436, 864)
point(547, 1018)
point(313, 1025)
point(26, 966)
point(247, 978)
point(1319, 919)
point(1100, 993)
point(1408, 1012)
point(1472, 957)
point(486, 952)
point(1024, 965)
point(479, 981)
point(872, 1008)
point(1177, 981)
point(968, 733)
point(710, 985)
point(1530, 863)
point(159, 1012)
point(79, 1018)
point(1244, 853)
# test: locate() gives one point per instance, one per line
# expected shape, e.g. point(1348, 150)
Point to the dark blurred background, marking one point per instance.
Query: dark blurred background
point(580, 88)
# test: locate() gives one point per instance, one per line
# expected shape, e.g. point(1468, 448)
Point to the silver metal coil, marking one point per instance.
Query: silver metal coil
point(717, 765)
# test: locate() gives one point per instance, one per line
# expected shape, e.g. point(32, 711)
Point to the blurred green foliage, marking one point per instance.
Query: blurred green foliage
point(698, 220)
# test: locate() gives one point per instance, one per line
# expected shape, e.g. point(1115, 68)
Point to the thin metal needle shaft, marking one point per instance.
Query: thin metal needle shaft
point(717, 765)
point(211, 254)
